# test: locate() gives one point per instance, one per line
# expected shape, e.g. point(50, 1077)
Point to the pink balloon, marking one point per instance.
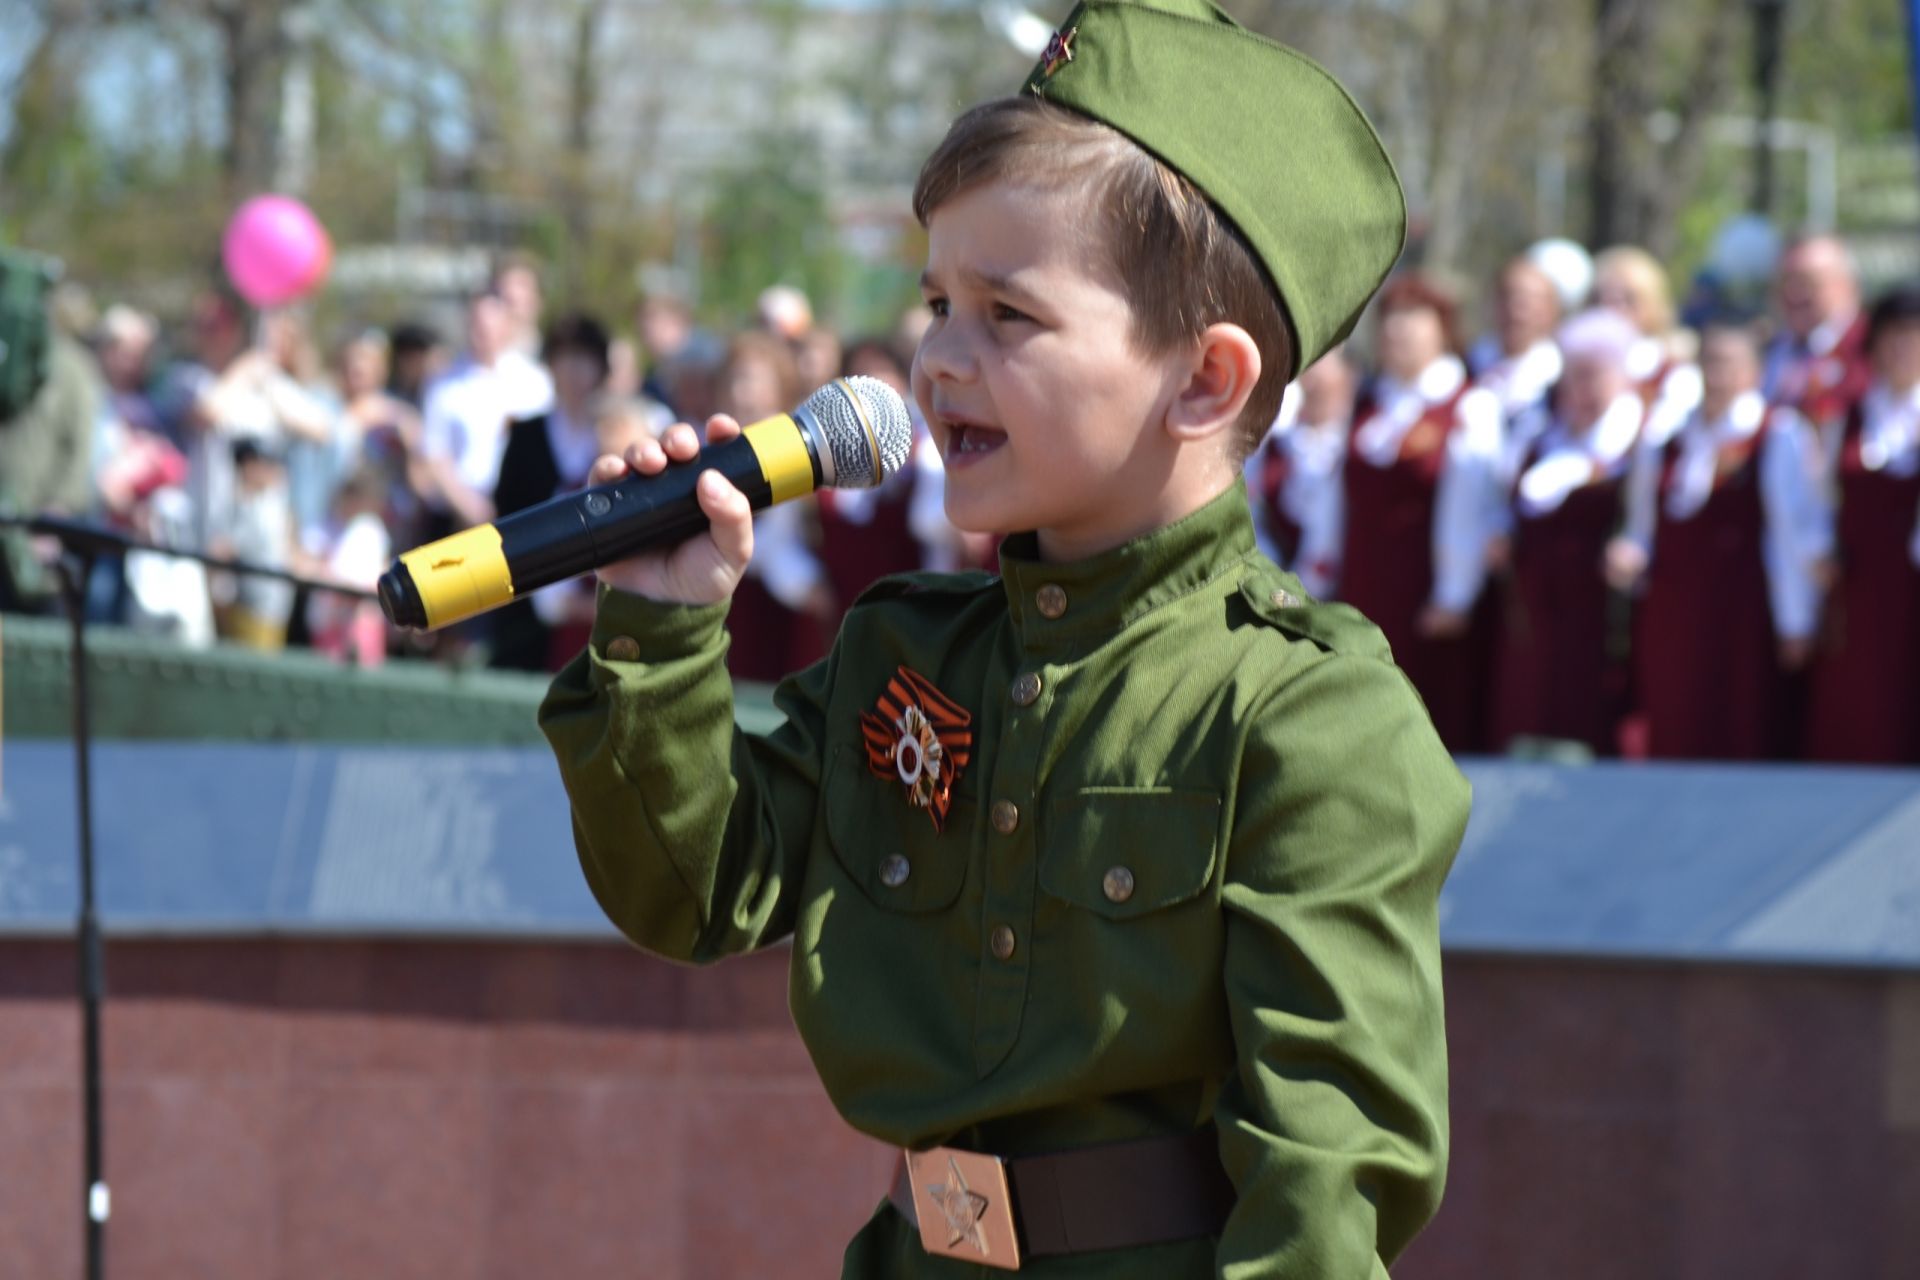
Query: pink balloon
point(275, 250)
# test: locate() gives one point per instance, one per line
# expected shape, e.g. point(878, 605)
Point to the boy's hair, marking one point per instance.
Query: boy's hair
point(1181, 262)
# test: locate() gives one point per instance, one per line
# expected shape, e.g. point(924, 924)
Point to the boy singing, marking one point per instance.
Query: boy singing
point(1110, 881)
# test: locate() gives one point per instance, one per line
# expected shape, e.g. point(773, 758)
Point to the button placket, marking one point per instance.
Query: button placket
point(1012, 878)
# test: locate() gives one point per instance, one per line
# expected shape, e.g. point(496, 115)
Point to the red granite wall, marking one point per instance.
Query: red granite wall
point(327, 1109)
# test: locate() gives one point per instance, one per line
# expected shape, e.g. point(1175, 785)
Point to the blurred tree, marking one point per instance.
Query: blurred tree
point(768, 222)
point(1676, 56)
point(729, 139)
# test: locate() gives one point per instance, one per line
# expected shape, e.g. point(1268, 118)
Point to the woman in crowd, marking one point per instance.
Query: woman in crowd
point(1518, 360)
point(1559, 673)
point(1866, 683)
point(784, 611)
point(379, 430)
point(1402, 428)
point(546, 454)
point(866, 534)
point(1726, 526)
point(1296, 475)
point(1629, 280)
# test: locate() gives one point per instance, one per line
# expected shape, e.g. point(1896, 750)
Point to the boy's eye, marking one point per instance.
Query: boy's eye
point(1001, 311)
point(938, 306)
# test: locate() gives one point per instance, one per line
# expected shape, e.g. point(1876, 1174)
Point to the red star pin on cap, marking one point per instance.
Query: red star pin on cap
point(1060, 49)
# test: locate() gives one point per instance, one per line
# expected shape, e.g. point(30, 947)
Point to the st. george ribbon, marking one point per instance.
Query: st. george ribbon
point(850, 434)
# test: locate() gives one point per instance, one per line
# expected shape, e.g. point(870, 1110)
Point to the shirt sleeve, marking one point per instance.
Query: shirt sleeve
point(1799, 532)
point(1333, 1125)
point(1468, 503)
point(693, 833)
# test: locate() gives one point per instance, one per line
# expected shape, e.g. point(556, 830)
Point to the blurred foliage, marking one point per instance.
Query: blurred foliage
point(768, 221)
point(547, 121)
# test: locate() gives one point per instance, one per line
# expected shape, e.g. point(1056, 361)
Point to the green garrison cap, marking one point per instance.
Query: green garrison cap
point(1275, 142)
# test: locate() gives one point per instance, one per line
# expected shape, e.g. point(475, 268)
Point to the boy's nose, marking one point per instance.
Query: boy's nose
point(945, 354)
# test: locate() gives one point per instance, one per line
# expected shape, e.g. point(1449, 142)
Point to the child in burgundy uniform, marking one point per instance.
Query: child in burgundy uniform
point(1726, 527)
point(1558, 674)
point(1866, 685)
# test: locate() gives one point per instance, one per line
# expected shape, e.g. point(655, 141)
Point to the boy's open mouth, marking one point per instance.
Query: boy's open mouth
point(965, 439)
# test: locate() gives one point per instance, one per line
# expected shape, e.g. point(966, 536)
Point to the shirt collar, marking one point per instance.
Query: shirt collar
point(1827, 334)
point(1057, 603)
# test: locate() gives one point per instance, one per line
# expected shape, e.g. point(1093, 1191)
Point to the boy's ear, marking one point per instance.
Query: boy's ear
point(1221, 376)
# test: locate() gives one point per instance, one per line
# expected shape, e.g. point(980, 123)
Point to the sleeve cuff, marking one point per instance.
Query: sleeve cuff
point(629, 628)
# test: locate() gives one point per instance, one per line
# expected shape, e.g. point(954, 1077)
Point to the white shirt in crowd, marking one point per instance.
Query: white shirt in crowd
point(1889, 441)
point(1788, 359)
point(1312, 494)
point(356, 555)
point(1798, 519)
point(1517, 382)
point(1469, 506)
point(467, 410)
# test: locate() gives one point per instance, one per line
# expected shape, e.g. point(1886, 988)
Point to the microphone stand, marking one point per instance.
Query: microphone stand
point(82, 545)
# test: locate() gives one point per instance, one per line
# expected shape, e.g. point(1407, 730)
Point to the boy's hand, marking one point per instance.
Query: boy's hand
point(704, 569)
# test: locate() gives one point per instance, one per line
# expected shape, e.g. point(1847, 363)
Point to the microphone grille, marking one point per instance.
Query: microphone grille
point(866, 429)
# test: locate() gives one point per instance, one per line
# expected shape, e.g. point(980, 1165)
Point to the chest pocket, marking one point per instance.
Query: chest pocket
point(1123, 852)
point(888, 847)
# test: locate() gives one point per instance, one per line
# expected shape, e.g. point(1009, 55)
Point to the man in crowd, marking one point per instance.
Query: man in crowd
point(1817, 363)
point(467, 412)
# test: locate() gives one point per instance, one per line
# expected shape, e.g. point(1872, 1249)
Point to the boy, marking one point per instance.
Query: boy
point(1112, 881)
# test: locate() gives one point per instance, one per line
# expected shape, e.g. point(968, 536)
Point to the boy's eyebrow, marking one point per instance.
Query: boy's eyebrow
point(987, 282)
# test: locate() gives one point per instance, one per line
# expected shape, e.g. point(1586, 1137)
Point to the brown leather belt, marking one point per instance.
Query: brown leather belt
point(995, 1211)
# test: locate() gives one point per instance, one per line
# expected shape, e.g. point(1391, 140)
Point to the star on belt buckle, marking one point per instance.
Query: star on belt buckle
point(965, 1210)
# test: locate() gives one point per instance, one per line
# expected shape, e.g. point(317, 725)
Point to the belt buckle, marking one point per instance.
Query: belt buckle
point(965, 1211)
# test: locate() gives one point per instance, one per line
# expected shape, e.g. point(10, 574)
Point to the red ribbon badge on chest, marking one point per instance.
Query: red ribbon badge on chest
point(919, 737)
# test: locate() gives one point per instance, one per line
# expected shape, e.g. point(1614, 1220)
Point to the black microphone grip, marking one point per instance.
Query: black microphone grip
point(544, 543)
point(484, 567)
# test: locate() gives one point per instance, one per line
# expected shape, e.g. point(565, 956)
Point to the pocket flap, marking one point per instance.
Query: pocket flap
point(1125, 851)
point(887, 846)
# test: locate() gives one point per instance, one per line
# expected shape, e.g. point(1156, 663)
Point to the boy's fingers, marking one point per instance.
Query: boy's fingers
point(647, 457)
point(721, 428)
point(606, 469)
point(680, 441)
point(731, 517)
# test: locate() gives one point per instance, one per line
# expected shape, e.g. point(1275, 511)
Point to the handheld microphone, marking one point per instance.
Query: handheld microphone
point(850, 434)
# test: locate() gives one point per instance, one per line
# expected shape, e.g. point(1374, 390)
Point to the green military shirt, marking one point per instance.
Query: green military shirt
point(1189, 872)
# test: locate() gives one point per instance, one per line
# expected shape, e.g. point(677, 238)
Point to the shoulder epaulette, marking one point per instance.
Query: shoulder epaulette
point(1278, 600)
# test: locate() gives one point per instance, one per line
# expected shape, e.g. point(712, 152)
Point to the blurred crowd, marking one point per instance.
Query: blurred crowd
point(1597, 525)
point(234, 436)
point(1597, 522)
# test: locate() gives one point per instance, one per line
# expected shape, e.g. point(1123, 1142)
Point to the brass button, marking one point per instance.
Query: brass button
point(1006, 817)
point(1026, 690)
point(1051, 600)
point(623, 649)
point(1002, 942)
point(894, 871)
point(1118, 884)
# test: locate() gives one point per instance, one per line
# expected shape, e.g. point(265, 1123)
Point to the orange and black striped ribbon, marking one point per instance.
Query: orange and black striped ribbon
point(885, 728)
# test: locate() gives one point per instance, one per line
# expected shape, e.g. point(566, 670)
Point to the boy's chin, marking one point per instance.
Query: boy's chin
point(987, 515)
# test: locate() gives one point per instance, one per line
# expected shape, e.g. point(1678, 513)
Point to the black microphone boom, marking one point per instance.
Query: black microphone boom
point(852, 433)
